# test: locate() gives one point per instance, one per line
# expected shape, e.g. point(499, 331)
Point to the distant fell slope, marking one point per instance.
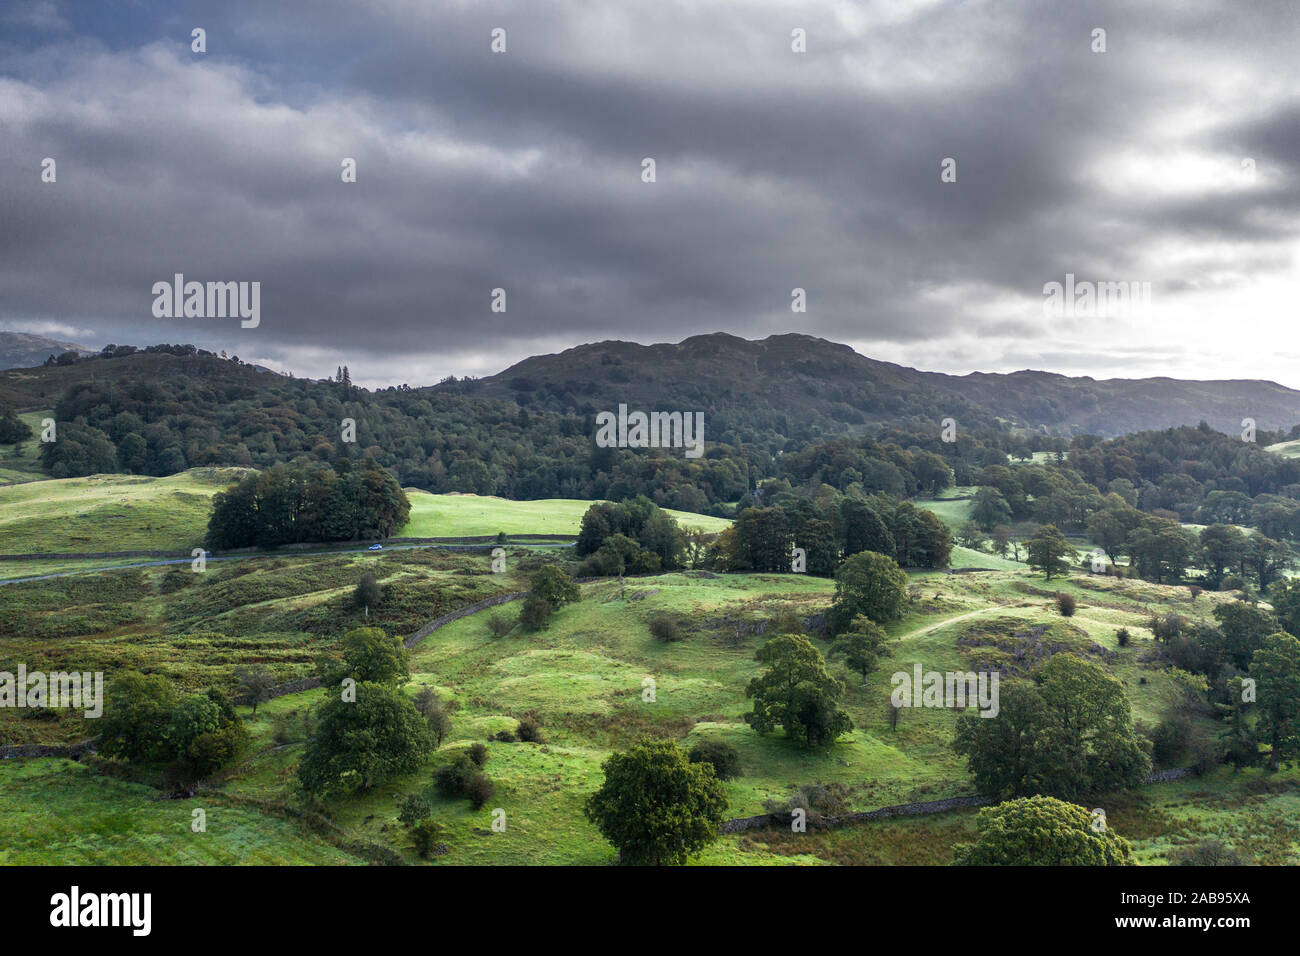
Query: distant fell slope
point(811, 380)
point(41, 387)
point(789, 385)
point(23, 349)
point(778, 382)
point(1119, 406)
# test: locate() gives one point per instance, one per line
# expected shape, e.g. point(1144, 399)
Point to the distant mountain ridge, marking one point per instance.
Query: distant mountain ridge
point(784, 385)
point(24, 349)
point(810, 379)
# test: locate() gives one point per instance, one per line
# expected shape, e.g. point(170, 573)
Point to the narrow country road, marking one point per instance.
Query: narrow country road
point(247, 557)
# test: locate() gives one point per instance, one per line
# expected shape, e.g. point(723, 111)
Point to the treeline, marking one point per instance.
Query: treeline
point(304, 501)
point(636, 537)
point(1189, 474)
point(908, 461)
point(1160, 549)
point(435, 440)
point(764, 538)
point(1244, 670)
point(631, 537)
point(1192, 475)
point(450, 438)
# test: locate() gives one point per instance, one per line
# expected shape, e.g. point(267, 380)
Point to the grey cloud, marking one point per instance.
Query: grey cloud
point(522, 171)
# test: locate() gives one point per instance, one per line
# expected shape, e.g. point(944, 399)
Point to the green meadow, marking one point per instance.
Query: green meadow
point(437, 516)
point(60, 812)
point(596, 680)
point(141, 513)
point(1287, 449)
point(110, 512)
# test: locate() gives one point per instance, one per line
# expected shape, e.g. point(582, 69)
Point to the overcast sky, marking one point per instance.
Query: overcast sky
point(775, 169)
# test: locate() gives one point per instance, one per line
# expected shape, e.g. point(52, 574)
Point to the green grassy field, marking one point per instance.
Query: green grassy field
point(139, 513)
point(970, 558)
point(585, 680)
point(1287, 449)
point(954, 512)
point(110, 512)
point(60, 812)
point(436, 516)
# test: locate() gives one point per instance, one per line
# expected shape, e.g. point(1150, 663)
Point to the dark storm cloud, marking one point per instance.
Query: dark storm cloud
point(522, 171)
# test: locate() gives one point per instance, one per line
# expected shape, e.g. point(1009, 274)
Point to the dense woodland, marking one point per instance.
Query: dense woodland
point(636, 537)
point(1127, 495)
point(293, 503)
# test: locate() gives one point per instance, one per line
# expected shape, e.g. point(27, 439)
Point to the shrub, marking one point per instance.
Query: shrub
point(1122, 637)
point(452, 779)
point(1042, 831)
point(280, 730)
point(536, 613)
point(427, 834)
point(479, 790)
point(478, 755)
point(723, 757)
point(1206, 754)
point(817, 800)
point(414, 809)
point(1195, 591)
point(499, 625)
point(368, 592)
point(1166, 628)
point(665, 628)
point(1206, 853)
point(1232, 582)
point(1170, 738)
point(530, 731)
point(505, 736)
point(1065, 603)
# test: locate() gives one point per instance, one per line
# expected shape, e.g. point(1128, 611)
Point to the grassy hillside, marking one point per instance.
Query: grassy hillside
point(110, 512)
point(807, 379)
point(59, 812)
point(954, 511)
point(196, 628)
point(584, 680)
point(435, 516)
point(1287, 449)
point(139, 513)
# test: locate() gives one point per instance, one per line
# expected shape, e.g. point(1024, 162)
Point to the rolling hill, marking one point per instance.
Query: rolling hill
point(810, 380)
point(526, 432)
point(23, 349)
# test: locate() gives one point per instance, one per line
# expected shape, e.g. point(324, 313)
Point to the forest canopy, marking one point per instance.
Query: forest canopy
point(293, 503)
